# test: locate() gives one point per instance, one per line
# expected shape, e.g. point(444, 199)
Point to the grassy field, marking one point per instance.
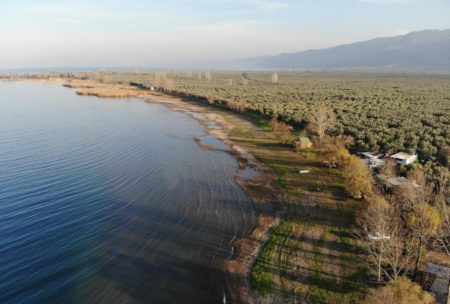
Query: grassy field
point(312, 253)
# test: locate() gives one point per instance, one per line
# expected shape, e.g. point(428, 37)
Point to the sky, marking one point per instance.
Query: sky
point(132, 33)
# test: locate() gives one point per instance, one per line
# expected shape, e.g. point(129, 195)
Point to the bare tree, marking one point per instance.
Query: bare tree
point(281, 130)
point(443, 234)
point(321, 120)
point(384, 235)
point(399, 254)
point(389, 168)
point(441, 183)
point(208, 76)
point(275, 78)
point(375, 223)
point(416, 191)
point(167, 84)
point(236, 105)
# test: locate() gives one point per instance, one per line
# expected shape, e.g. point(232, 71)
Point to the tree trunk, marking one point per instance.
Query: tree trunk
point(419, 250)
point(379, 269)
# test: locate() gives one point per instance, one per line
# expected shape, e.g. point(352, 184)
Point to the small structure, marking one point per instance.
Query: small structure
point(440, 285)
point(373, 160)
point(396, 181)
point(403, 158)
point(303, 143)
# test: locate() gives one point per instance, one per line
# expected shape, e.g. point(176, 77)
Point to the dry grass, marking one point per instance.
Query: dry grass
point(312, 254)
point(90, 88)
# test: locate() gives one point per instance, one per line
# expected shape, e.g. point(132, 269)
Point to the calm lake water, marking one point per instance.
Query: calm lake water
point(111, 201)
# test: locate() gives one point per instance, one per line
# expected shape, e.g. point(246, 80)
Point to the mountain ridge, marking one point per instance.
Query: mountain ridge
point(427, 50)
point(419, 51)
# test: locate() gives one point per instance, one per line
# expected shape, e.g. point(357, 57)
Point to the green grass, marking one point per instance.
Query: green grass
point(262, 277)
point(311, 236)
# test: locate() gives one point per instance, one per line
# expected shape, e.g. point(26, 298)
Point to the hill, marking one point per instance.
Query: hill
point(427, 50)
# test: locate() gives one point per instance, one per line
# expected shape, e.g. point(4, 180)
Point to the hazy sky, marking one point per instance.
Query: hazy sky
point(100, 33)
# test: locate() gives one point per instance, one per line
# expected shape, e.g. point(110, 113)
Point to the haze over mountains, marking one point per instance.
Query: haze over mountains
point(427, 50)
point(421, 51)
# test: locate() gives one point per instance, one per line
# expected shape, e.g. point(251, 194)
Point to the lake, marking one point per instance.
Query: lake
point(111, 201)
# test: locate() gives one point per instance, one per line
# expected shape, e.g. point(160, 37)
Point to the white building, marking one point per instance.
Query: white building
point(403, 158)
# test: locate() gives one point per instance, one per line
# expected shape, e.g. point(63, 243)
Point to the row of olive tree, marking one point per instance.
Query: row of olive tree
point(395, 228)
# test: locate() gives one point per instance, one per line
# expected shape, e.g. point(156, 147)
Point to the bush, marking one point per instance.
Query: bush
point(403, 291)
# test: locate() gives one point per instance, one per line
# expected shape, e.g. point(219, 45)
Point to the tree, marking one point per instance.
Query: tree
point(334, 143)
point(167, 84)
point(441, 182)
point(443, 234)
point(423, 221)
point(398, 257)
point(389, 168)
point(402, 291)
point(275, 78)
point(321, 120)
point(208, 76)
point(375, 222)
point(357, 177)
point(444, 156)
point(383, 234)
point(236, 105)
point(416, 191)
point(281, 130)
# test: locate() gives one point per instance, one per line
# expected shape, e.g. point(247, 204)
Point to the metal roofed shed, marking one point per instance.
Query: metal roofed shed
point(403, 158)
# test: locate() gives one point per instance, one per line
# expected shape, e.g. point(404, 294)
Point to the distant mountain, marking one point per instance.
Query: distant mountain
point(427, 50)
point(422, 51)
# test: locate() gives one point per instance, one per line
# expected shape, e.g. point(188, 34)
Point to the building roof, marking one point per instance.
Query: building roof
point(400, 180)
point(396, 181)
point(441, 282)
point(371, 154)
point(403, 155)
point(438, 270)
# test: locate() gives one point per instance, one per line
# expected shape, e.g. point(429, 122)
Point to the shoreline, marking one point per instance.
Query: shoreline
point(258, 186)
